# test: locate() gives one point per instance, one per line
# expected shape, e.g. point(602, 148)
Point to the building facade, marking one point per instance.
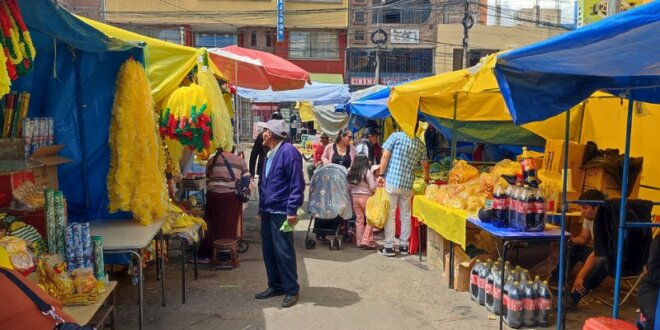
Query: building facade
point(398, 34)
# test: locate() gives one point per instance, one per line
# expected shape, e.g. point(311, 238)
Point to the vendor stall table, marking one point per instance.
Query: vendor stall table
point(127, 236)
point(186, 240)
point(96, 314)
point(512, 236)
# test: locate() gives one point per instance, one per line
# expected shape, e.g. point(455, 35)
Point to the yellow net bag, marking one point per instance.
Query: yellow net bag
point(378, 206)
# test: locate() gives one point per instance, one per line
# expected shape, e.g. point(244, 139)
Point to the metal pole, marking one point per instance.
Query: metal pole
point(562, 243)
point(236, 108)
point(622, 211)
point(466, 36)
point(613, 7)
point(377, 71)
point(453, 129)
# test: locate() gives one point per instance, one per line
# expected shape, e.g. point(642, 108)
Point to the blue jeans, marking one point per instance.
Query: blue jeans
point(595, 277)
point(279, 254)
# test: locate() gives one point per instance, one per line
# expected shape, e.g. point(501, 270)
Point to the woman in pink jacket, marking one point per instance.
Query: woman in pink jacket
point(342, 152)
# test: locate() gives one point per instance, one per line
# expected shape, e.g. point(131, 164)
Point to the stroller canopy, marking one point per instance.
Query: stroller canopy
point(329, 196)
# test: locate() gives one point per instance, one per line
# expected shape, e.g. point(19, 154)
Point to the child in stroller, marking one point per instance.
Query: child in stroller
point(330, 207)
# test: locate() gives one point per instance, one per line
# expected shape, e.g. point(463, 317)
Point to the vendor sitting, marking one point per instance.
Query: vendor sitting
point(594, 269)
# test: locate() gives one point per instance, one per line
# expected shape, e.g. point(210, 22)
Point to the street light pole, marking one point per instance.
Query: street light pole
point(377, 71)
point(467, 22)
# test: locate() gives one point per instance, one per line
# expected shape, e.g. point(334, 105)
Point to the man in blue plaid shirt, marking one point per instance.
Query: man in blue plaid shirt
point(400, 156)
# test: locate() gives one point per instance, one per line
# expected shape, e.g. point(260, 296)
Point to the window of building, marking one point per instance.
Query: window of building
point(398, 60)
point(475, 55)
point(359, 37)
point(313, 45)
point(359, 17)
point(401, 11)
point(269, 38)
point(359, 2)
point(210, 40)
point(253, 39)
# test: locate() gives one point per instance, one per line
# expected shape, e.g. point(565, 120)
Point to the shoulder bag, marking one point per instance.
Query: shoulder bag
point(242, 191)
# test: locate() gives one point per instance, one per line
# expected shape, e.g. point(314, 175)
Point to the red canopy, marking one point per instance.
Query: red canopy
point(255, 69)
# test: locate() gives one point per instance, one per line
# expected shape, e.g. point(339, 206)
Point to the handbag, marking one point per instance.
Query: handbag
point(242, 191)
point(44, 307)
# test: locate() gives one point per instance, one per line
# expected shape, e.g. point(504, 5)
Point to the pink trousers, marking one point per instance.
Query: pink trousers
point(364, 233)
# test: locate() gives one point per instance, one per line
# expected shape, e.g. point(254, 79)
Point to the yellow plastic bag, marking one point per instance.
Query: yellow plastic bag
point(377, 208)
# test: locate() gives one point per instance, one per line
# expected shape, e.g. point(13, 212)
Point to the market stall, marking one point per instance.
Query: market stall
point(534, 80)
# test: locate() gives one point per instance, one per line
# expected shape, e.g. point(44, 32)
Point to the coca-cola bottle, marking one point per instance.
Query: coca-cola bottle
point(515, 306)
point(524, 208)
point(510, 279)
point(524, 276)
point(483, 278)
point(529, 305)
point(490, 280)
point(514, 205)
point(543, 305)
point(500, 208)
point(497, 293)
point(474, 280)
point(538, 212)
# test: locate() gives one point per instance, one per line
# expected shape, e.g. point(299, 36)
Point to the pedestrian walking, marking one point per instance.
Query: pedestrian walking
point(362, 185)
point(282, 192)
point(401, 154)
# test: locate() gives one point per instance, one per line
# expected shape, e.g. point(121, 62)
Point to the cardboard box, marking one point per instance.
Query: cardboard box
point(436, 248)
point(598, 178)
point(553, 158)
point(462, 268)
point(41, 168)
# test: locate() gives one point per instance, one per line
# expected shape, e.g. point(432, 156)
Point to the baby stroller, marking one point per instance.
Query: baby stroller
point(330, 207)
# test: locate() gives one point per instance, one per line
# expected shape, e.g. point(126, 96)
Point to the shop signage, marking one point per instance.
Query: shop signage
point(363, 81)
point(280, 20)
point(394, 80)
point(404, 36)
point(264, 107)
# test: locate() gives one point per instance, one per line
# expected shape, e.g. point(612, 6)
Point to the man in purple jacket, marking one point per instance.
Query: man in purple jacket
point(281, 194)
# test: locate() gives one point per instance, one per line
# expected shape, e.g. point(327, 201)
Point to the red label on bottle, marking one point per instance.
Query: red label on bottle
point(523, 207)
point(515, 305)
point(543, 304)
point(505, 300)
point(529, 304)
point(489, 288)
point(527, 164)
point(482, 283)
point(474, 279)
point(499, 203)
point(539, 207)
point(496, 292)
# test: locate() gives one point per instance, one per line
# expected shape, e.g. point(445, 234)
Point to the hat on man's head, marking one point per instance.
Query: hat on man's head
point(324, 135)
point(276, 115)
point(277, 126)
point(590, 195)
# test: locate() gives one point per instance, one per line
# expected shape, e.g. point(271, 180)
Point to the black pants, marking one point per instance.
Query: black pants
point(579, 253)
point(647, 299)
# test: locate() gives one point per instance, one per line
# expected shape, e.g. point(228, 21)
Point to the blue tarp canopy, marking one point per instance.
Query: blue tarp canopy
point(316, 94)
point(73, 81)
point(371, 106)
point(617, 53)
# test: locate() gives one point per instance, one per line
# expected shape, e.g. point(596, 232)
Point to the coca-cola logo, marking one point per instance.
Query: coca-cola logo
point(529, 304)
point(539, 207)
point(515, 305)
point(497, 292)
point(474, 278)
point(489, 289)
point(499, 203)
point(544, 304)
point(482, 283)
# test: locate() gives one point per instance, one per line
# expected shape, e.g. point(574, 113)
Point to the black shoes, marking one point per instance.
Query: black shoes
point(290, 300)
point(403, 250)
point(269, 293)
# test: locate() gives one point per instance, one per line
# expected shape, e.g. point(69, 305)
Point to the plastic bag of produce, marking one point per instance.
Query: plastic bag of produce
point(462, 172)
point(378, 206)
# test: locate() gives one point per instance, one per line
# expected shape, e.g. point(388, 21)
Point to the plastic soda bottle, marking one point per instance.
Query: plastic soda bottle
point(483, 278)
point(543, 305)
point(500, 208)
point(515, 308)
point(538, 212)
point(510, 279)
point(474, 280)
point(529, 305)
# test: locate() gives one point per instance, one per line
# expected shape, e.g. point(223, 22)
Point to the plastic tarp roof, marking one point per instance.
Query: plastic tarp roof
point(617, 53)
point(316, 94)
point(371, 106)
point(480, 111)
point(167, 63)
point(73, 81)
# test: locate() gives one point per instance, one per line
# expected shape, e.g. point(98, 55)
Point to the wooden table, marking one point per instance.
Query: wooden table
point(97, 313)
point(122, 236)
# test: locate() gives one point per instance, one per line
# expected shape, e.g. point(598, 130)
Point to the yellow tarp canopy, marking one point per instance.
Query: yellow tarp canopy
point(167, 63)
point(469, 94)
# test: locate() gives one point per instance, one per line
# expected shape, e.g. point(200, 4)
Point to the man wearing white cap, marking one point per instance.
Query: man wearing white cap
point(281, 194)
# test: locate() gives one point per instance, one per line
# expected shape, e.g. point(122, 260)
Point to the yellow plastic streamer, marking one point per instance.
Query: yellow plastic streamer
point(136, 180)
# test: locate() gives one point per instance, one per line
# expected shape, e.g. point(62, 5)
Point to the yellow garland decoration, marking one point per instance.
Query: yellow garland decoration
point(5, 81)
point(222, 129)
point(136, 180)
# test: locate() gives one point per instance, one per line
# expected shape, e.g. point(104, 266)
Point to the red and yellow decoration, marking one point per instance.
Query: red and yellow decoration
point(16, 41)
point(187, 119)
point(136, 180)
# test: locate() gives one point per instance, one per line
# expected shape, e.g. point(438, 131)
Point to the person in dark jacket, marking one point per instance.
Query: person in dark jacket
point(258, 153)
point(647, 295)
point(282, 192)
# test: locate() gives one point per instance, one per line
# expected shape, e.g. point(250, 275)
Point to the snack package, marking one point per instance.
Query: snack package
point(84, 280)
point(29, 195)
point(19, 255)
point(53, 276)
point(462, 172)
